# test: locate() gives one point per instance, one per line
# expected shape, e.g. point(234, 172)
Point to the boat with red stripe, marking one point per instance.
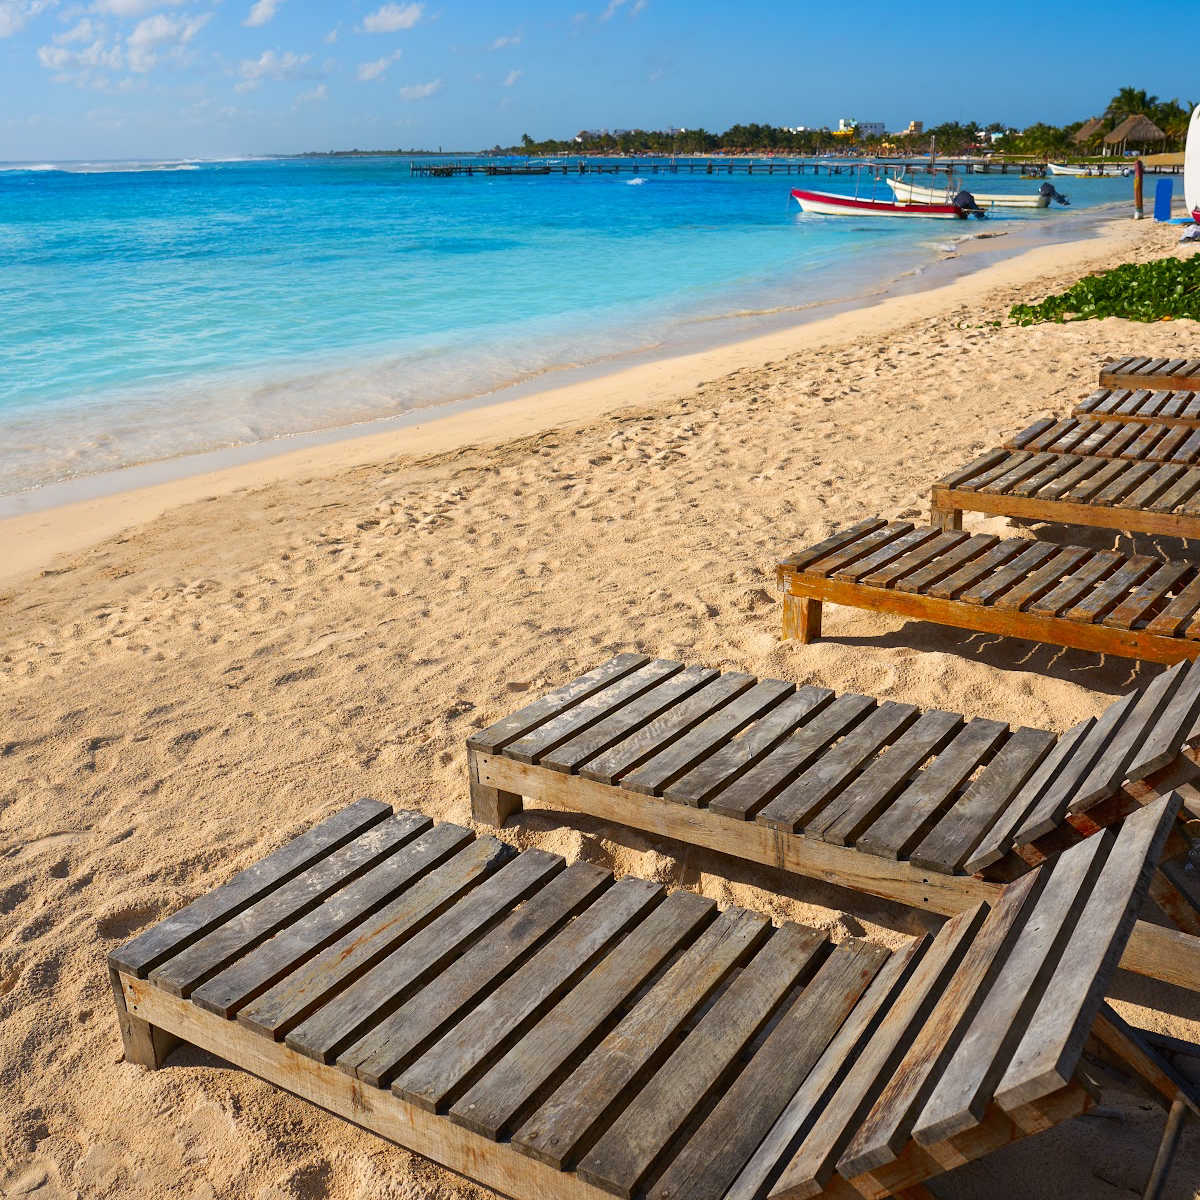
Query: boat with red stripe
point(830, 204)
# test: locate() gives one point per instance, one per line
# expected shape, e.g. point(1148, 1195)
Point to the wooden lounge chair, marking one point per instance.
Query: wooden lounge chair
point(549, 1032)
point(1113, 493)
point(1131, 605)
point(1133, 372)
point(926, 808)
point(1124, 404)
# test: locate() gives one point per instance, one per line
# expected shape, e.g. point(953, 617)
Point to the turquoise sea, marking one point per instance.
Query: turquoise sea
point(158, 309)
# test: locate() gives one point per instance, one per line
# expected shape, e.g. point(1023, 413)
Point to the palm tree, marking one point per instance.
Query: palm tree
point(1129, 102)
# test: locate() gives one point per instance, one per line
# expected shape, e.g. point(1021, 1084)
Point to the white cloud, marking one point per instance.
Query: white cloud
point(513, 39)
point(320, 92)
point(155, 34)
point(97, 56)
point(261, 12)
point(85, 30)
point(512, 77)
point(273, 66)
point(373, 70)
point(420, 91)
point(615, 5)
point(391, 18)
point(132, 8)
point(16, 14)
point(332, 35)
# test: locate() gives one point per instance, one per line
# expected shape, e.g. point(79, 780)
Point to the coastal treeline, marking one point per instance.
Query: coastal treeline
point(953, 137)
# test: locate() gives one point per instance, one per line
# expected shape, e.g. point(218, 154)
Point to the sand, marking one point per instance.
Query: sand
point(196, 672)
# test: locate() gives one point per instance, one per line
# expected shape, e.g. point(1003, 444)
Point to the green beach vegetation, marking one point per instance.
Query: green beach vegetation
point(1040, 140)
point(1163, 290)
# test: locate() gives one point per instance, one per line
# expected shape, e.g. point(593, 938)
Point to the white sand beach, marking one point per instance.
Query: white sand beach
point(197, 671)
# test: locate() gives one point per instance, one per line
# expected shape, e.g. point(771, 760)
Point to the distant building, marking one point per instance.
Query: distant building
point(914, 127)
point(865, 129)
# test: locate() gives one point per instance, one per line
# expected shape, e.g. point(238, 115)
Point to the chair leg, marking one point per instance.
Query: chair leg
point(949, 519)
point(489, 805)
point(1169, 891)
point(1166, 1151)
point(801, 619)
point(145, 1044)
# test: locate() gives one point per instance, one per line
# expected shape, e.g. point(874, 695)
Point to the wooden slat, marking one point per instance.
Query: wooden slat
point(1179, 612)
point(651, 739)
point(886, 1128)
point(493, 1103)
point(1044, 579)
point(1157, 484)
point(894, 549)
point(1127, 481)
point(1020, 440)
point(975, 570)
point(946, 564)
point(1018, 473)
point(835, 541)
point(290, 1000)
point(862, 802)
point(930, 553)
point(635, 1049)
point(587, 712)
point(714, 1155)
point(1135, 606)
point(961, 1097)
point(1076, 584)
point(1011, 461)
point(1108, 772)
point(732, 761)
point(1051, 806)
point(1166, 739)
point(407, 956)
point(244, 930)
point(1049, 1051)
point(805, 796)
point(392, 1043)
point(1093, 482)
point(843, 560)
point(1178, 493)
point(620, 1159)
point(628, 719)
point(1058, 466)
point(500, 1018)
point(984, 462)
point(202, 916)
point(1107, 595)
point(998, 582)
point(998, 841)
point(812, 1165)
point(776, 770)
point(964, 826)
point(828, 1072)
point(697, 744)
point(495, 737)
point(1077, 471)
point(249, 976)
point(918, 808)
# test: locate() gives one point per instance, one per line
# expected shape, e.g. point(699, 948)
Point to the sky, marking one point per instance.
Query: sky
point(211, 78)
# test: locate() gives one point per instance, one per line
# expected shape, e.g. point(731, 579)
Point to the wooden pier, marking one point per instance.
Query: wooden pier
point(715, 166)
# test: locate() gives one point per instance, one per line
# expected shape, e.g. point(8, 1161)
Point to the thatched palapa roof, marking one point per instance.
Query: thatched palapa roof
point(1088, 130)
point(1138, 128)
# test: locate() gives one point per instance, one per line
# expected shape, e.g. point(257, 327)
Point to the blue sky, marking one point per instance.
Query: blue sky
point(180, 78)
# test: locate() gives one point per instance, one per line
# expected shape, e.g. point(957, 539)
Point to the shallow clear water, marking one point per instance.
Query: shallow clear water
point(158, 309)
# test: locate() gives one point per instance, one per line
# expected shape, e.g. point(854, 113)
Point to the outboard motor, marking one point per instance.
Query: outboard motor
point(965, 202)
point(1048, 189)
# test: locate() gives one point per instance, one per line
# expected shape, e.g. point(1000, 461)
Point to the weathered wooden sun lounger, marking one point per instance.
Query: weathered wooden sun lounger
point(549, 1032)
point(1134, 372)
point(1138, 441)
point(1126, 404)
point(1113, 493)
point(927, 808)
point(1132, 605)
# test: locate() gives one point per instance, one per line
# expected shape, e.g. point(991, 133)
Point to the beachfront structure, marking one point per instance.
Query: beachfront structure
point(1088, 132)
point(865, 129)
point(1134, 133)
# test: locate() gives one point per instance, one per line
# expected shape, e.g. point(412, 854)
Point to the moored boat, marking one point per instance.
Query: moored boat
point(909, 193)
point(830, 204)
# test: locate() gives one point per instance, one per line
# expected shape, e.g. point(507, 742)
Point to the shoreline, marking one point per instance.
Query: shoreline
point(89, 509)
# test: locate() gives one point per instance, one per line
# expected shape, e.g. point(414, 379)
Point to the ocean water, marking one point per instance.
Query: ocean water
point(152, 310)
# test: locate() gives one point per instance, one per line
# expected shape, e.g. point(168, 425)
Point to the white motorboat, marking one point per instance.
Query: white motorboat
point(917, 193)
